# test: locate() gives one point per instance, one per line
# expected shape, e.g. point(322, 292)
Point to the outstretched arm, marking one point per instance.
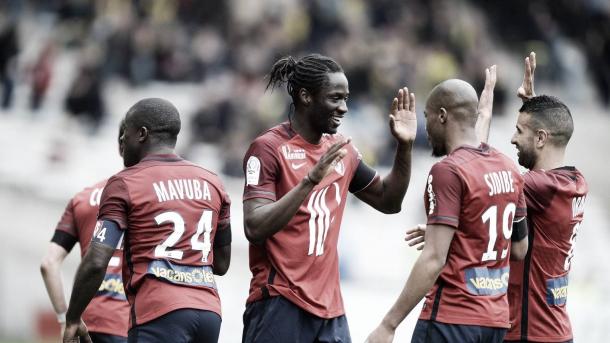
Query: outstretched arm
point(526, 90)
point(486, 102)
point(387, 195)
point(264, 217)
point(50, 268)
point(422, 277)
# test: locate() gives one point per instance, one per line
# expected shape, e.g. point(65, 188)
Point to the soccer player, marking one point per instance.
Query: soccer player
point(555, 196)
point(174, 217)
point(107, 315)
point(298, 174)
point(475, 207)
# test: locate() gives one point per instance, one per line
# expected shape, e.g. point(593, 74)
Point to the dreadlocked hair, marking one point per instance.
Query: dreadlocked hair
point(309, 72)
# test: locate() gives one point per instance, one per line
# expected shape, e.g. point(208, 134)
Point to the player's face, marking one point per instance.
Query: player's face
point(330, 104)
point(524, 140)
point(435, 134)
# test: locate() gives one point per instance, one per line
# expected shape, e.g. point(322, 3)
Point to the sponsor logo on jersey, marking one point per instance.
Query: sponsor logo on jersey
point(292, 153)
point(486, 281)
point(182, 275)
point(431, 196)
point(557, 291)
point(253, 170)
point(112, 287)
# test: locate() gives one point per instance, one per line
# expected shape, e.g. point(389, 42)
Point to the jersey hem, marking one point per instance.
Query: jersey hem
point(273, 292)
point(173, 307)
point(463, 321)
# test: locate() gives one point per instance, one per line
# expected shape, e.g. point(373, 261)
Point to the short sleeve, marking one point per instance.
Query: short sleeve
point(224, 215)
point(521, 204)
point(115, 202)
point(67, 223)
point(443, 196)
point(261, 169)
point(536, 192)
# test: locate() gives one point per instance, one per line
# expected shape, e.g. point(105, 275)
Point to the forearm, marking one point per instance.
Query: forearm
point(395, 184)
point(482, 127)
point(422, 278)
point(51, 274)
point(264, 221)
point(222, 260)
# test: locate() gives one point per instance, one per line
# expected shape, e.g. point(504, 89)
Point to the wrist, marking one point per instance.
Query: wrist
point(389, 324)
point(310, 180)
point(61, 318)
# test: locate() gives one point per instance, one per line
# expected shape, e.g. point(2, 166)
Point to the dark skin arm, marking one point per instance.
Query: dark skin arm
point(422, 277)
point(222, 255)
point(89, 276)
point(264, 217)
point(386, 196)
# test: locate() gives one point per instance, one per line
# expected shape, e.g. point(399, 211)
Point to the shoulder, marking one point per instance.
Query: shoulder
point(273, 137)
point(86, 193)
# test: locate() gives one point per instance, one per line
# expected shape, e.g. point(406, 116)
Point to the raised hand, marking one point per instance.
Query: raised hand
point(328, 161)
point(526, 90)
point(416, 236)
point(403, 120)
point(487, 95)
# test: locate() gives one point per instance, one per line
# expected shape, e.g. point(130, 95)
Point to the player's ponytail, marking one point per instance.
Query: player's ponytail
point(309, 72)
point(281, 72)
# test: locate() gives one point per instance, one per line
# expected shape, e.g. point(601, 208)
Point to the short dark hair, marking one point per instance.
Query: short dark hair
point(309, 72)
point(551, 114)
point(159, 116)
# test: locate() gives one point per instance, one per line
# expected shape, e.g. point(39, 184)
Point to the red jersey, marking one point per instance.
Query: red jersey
point(108, 311)
point(538, 285)
point(170, 209)
point(299, 262)
point(478, 192)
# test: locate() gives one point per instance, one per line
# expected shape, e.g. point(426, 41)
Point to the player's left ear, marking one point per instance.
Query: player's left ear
point(542, 137)
point(442, 115)
point(143, 133)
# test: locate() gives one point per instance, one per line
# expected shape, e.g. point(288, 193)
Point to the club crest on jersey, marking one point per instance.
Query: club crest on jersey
point(431, 196)
point(253, 170)
point(557, 291)
point(292, 153)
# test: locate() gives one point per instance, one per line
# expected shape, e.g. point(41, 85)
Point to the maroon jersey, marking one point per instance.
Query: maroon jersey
point(300, 262)
point(478, 192)
point(538, 285)
point(170, 210)
point(108, 311)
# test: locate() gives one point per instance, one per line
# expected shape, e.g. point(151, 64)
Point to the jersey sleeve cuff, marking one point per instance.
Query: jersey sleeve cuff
point(64, 240)
point(254, 194)
point(444, 220)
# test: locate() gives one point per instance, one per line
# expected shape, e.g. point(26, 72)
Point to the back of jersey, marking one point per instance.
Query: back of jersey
point(539, 285)
point(173, 209)
point(478, 192)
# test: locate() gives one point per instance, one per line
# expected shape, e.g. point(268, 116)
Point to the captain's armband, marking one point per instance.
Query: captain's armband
point(107, 232)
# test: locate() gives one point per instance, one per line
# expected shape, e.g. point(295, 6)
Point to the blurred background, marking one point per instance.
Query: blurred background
point(70, 69)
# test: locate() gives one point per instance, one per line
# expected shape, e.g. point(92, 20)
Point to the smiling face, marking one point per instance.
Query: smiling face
point(524, 140)
point(329, 104)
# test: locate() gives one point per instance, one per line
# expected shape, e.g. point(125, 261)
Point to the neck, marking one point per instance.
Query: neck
point(301, 125)
point(159, 150)
point(461, 136)
point(550, 158)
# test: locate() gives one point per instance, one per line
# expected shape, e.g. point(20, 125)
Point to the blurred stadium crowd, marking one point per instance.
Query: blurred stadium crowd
point(227, 47)
point(86, 61)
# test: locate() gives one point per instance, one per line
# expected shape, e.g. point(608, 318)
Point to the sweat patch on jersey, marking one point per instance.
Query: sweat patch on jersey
point(112, 286)
point(486, 281)
point(557, 291)
point(253, 171)
point(197, 276)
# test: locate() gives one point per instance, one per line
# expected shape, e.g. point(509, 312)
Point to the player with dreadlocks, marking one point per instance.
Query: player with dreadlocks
point(298, 174)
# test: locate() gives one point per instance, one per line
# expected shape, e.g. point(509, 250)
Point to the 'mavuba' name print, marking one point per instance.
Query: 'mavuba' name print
point(181, 189)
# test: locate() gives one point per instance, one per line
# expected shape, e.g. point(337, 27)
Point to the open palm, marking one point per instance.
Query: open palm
point(526, 90)
point(403, 120)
